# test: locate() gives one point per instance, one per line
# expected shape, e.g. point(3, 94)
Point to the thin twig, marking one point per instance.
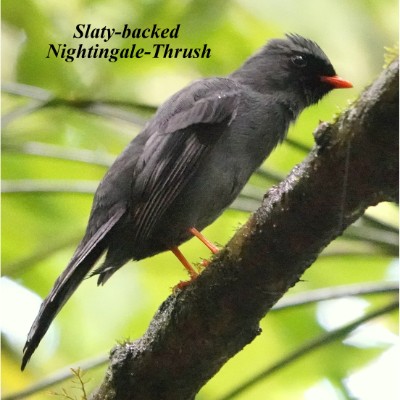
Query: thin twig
point(92, 157)
point(43, 99)
point(312, 345)
point(16, 268)
point(48, 186)
point(297, 145)
point(57, 377)
point(336, 292)
point(377, 223)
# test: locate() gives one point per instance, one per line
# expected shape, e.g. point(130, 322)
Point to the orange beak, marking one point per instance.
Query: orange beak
point(337, 82)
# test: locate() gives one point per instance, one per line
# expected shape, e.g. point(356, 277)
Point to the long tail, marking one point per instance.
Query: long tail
point(87, 253)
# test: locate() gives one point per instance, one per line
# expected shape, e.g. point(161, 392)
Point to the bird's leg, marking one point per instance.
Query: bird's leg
point(193, 274)
point(211, 246)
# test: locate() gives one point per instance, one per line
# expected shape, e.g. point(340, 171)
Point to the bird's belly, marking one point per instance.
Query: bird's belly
point(216, 183)
point(200, 203)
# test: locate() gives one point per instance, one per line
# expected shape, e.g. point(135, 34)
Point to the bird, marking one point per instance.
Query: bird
point(190, 162)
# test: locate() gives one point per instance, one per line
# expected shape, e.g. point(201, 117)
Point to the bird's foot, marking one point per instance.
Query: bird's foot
point(204, 262)
point(183, 284)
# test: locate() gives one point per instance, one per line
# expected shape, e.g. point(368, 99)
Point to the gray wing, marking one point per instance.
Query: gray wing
point(182, 138)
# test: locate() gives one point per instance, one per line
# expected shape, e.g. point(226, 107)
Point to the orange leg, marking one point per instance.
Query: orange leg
point(196, 233)
point(193, 274)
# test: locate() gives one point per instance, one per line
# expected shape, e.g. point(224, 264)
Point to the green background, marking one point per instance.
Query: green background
point(54, 154)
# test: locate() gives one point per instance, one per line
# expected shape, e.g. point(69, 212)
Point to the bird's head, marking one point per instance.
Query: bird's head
point(294, 67)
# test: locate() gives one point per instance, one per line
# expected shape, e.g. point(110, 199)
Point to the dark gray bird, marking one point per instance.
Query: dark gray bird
point(190, 162)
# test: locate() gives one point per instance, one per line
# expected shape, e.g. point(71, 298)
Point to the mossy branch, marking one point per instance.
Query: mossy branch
point(353, 165)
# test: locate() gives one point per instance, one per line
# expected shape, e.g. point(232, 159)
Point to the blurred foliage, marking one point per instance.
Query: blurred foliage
point(64, 123)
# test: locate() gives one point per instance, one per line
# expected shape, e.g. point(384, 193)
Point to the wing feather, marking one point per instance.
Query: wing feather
point(172, 157)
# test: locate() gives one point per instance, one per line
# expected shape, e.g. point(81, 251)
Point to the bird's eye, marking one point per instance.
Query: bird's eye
point(299, 61)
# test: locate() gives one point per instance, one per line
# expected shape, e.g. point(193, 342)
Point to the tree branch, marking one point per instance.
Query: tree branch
point(353, 165)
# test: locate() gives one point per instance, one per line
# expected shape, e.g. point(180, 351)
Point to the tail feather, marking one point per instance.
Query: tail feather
point(88, 252)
